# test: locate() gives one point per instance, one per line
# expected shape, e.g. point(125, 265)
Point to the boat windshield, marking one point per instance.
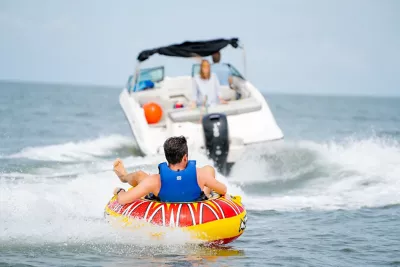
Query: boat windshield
point(234, 71)
point(147, 79)
point(155, 74)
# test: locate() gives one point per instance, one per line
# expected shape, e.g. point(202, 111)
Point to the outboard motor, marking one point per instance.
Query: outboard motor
point(216, 139)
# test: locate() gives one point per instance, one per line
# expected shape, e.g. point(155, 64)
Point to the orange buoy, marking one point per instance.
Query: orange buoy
point(153, 112)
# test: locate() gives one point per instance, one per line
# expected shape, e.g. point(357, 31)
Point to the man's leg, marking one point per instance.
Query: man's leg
point(211, 171)
point(133, 178)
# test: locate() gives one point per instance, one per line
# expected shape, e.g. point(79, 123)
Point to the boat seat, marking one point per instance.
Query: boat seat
point(239, 86)
point(227, 93)
point(148, 95)
point(156, 96)
point(232, 108)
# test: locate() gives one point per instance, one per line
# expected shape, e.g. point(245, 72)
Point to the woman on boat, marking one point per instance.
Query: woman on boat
point(206, 87)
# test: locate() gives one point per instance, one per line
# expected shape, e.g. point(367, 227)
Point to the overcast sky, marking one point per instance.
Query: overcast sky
point(320, 46)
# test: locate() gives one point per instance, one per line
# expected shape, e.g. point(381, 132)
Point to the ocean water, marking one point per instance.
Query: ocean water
point(329, 195)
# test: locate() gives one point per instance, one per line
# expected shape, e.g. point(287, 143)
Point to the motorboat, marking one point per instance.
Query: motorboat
point(222, 132)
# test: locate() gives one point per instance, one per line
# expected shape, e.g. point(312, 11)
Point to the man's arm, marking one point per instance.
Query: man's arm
point(142, 189)
point(215, 185)
point(207, 176)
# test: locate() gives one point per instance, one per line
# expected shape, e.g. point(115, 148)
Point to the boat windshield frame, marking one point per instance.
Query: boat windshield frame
point(233, 70)
point(187, 49)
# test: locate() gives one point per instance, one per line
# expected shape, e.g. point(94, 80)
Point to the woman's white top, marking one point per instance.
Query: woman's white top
point(206, 88)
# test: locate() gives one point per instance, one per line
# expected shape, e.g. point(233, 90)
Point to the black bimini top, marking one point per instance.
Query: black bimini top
point(190, 49)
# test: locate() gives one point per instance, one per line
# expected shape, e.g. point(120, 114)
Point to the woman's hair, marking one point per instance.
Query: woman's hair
point(203, 75)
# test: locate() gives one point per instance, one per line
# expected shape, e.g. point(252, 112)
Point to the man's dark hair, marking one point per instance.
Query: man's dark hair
point(216, 57)
point(175, 148)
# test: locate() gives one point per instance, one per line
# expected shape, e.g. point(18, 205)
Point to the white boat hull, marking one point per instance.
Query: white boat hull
point(245, 128)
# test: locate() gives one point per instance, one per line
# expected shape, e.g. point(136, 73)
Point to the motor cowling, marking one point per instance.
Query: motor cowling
point(216, 139)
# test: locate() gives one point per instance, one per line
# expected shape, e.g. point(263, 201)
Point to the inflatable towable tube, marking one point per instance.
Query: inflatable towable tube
point(218, 220)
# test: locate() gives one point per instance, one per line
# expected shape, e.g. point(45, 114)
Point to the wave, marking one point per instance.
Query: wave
point(87, 150)
point(47, 203)
point(58, 210)
point(334, 175)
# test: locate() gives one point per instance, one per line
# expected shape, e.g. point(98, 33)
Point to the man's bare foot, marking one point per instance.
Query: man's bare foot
point(120, 170)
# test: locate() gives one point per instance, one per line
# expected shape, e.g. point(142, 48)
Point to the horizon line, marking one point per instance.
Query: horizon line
point(271, 92)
